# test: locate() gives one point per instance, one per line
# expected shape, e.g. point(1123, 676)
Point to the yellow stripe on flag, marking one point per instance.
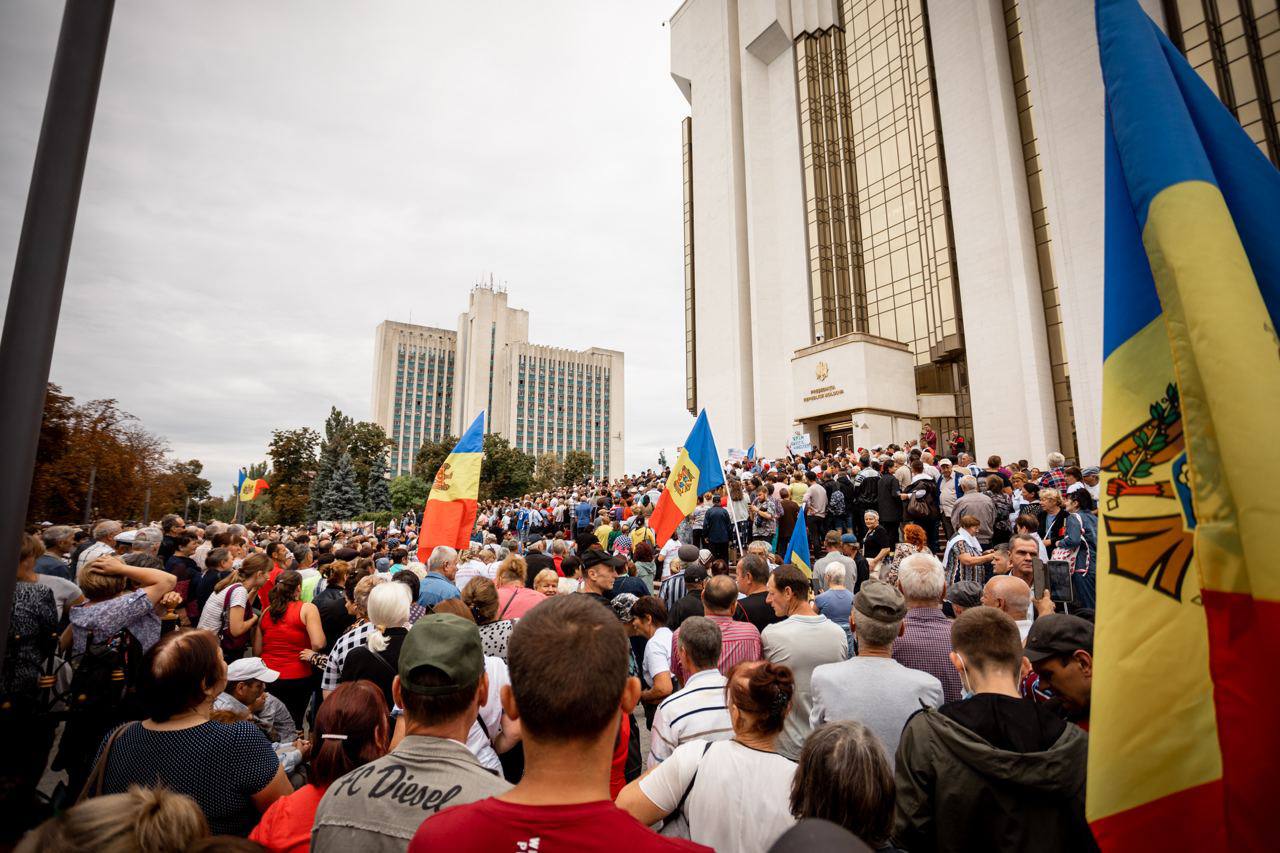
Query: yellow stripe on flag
point(682, 484)
point(458, 478)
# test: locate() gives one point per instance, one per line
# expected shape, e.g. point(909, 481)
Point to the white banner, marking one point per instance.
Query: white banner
point(801, 444)
point(736, 455)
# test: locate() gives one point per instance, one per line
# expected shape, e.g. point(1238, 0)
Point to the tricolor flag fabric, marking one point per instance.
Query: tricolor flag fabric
point(797, 553)
point(695, 472)
point(1183, 740)
point(451, 506)
point(248, 489)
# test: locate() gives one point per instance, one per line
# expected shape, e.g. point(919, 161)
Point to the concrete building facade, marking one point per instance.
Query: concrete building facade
point(894, 215)
point(430, 382)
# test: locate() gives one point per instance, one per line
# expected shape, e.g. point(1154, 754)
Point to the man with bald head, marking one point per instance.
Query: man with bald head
point(1013, 596)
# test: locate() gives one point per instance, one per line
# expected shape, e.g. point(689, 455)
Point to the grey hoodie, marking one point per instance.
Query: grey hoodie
point(956, 791)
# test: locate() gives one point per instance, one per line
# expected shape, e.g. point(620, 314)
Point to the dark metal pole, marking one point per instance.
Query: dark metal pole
point(40, 269)
point(146, 508)
point(88, 500)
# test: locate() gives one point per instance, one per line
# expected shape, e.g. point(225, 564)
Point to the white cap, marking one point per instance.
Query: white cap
point(249, 669)
point(126, 536)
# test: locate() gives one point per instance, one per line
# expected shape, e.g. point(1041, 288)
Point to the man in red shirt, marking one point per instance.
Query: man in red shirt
point(569, 707)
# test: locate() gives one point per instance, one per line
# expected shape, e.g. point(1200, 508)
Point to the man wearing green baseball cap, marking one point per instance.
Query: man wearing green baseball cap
point(873, 688)
point(441, 685)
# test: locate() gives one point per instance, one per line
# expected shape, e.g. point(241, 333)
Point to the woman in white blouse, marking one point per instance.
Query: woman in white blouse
point(731, 794)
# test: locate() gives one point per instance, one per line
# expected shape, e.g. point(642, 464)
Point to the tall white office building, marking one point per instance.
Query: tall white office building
point(431, 382)
point(894, 212)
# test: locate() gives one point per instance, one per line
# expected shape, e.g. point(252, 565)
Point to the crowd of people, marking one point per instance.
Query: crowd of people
point(569, 682)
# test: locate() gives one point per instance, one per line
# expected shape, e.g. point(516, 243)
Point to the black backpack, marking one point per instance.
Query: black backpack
point(104, 677)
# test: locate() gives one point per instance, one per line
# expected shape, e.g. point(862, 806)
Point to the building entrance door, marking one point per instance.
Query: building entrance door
point(836, 436)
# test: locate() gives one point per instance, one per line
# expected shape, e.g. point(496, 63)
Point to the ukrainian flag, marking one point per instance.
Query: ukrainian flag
point(797, 553)
point(1182, 736)
point(696, 472)
point(450, 514)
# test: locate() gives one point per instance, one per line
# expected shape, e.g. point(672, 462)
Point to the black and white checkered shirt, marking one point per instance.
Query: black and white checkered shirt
point(353, 639)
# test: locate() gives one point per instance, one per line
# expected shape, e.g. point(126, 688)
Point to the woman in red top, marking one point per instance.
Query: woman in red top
point(351, 730)
point(289, 628)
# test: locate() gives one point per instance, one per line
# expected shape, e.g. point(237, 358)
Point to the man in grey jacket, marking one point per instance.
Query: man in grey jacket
point(441, 686)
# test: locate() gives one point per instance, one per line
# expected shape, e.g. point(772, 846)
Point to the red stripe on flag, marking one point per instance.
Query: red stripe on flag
point(665, 519)
point(446, 523)
point(1190, 819)
point(1244, 645)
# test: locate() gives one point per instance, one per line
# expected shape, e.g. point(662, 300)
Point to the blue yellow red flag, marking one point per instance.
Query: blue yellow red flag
point(450, 513)
point(696, 471)
point(797, 553)
point(250, 489)
point(1182, 741)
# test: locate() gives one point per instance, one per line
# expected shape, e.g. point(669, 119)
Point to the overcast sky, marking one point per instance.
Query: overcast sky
point(269, 181)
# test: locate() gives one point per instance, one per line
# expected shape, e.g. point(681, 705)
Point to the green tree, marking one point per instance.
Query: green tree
point(377, 491)
point(342, 501)
point(293, 465)
point(408, 493)
point(336, 429)
point(578, 466)
point(188, 475)
point(506, 472)
point(430, 456)
point(548, 472)
point(366, 442)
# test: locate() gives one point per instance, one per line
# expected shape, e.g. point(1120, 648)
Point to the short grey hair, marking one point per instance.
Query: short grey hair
point(700, 638)
point(53, 535)
point(558, 546)
point(920, 577)
point(872, 513)
point(1057, 460)
point(834, 573)
point(441, 556)
point(106, 530)
point(873, 632)
point(968, 483)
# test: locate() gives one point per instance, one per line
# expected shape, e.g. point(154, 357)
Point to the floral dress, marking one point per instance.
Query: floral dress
point(889, 565)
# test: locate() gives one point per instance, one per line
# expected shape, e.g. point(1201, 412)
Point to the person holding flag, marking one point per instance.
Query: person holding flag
point(1182, 739)
point(696, 472)
point(450, 514)
point(797, 552)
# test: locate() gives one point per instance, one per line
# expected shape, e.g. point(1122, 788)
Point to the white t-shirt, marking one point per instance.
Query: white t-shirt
point(211, 616)
point(491, 712)
point(740, 799)
point(657, 654)
point(672, 546)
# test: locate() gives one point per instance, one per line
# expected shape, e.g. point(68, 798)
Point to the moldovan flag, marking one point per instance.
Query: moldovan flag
point(250, 489)
point(696, 472)
point(451, 507)
point(1183, 740)
point(797, 553)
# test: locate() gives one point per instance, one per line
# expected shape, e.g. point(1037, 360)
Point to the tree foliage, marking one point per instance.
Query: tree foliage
point(408, 493)
point(377, 489)
point(506, 472)
point(342, 501)
point(548, 472)
point(79, 438)
point(361, 440)
point(430, 456)
point(578, 466)
point(293, 465)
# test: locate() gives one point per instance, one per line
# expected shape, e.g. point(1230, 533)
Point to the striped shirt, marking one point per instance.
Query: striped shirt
point(697, 712)
point(739, 641)
point(925, 645)
point(672, 590)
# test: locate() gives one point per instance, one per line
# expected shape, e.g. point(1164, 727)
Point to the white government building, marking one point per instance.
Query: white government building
point(894, 212)
point(429, 383)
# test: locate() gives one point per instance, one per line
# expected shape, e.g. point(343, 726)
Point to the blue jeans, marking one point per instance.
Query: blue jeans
point(1085, 588)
